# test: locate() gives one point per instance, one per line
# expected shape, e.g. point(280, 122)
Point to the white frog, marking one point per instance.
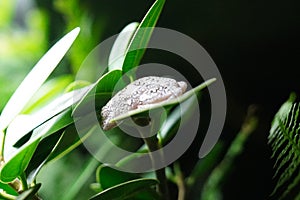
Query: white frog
point(138, 94)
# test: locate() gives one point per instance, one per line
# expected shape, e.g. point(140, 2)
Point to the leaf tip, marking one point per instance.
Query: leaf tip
point(210, 81)
point(75, 32)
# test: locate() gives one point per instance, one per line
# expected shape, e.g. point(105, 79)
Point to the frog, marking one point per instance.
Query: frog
point(140, 93)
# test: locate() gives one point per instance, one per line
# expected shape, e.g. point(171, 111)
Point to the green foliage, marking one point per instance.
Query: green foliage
point(100, 91)
point(8, 189)
point(18, 156)
point(125, 190)
point(136, 48)
point(18, 163)
point(104, 182)
point(21, 46)
point(77, 170)
point(18, 159)
point(30, 193)
point(284, 141)
point(118, 51)
point(35, 79)
point(104, 174)
point(37, 123)
point(47, 93)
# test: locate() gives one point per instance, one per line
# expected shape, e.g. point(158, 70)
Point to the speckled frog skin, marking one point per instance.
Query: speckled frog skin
point(139, 94)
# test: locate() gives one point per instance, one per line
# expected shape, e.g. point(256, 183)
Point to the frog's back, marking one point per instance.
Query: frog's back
point(144, 91)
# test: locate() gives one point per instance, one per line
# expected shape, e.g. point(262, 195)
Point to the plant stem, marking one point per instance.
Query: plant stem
point(153, 145)
point(2, 137)
point(16, 185)
point(23, 181)
point(179, 181)
point(163, 184)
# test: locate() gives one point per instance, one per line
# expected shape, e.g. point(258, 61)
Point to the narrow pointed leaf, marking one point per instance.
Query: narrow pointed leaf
point(142, 36)
point(29, 194)
point(17, 160)
point(104, 174)
point(21, 127)
point(125, 190)
point(7, 189)
point(102, 89)
point(41, 155)
point(81, 178)
point(180, 114)
point(47, 93)
point(68, 142)
point(36, 78)
point(118, 51)
point(16, 166)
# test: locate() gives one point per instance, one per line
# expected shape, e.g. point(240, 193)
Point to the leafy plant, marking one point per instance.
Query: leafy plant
point(32, 121)
point(37, 125)
point(284, 141)
point(20, 136)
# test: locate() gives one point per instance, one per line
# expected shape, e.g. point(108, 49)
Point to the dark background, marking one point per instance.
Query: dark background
point(255, 45)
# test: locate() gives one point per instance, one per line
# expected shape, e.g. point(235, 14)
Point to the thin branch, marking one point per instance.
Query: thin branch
point(179, 178)
point(153, 144)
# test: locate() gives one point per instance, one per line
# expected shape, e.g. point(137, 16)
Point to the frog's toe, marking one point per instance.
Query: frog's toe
point(182, 85)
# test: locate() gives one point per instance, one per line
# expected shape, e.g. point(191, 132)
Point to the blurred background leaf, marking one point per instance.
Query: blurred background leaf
point(23, 39)
point(75, 170)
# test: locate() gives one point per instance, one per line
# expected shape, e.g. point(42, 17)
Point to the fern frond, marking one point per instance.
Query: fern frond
point(285, 143)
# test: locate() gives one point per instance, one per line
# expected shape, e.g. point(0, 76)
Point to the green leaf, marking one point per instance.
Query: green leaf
point(87, 170)
point(172, 102)
point(125, 190)
point(24, 124)
point(179, 115)
point(146, 194)
point(142, 36)
point(17, 160)
point(29, 194)
point(17, 164)
point(104, 178)
point(284, 142)
point(7, 189)
point(99, 92)
point(168, 128)
point(35, 78)
point(16, 135)
point(104, 174)
point(69, 176)
point(79, 84)
point(55, 124)
point(48, 92)
point(68, 142)
point(41, 155)
point(205, 165)
point(118, 51)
